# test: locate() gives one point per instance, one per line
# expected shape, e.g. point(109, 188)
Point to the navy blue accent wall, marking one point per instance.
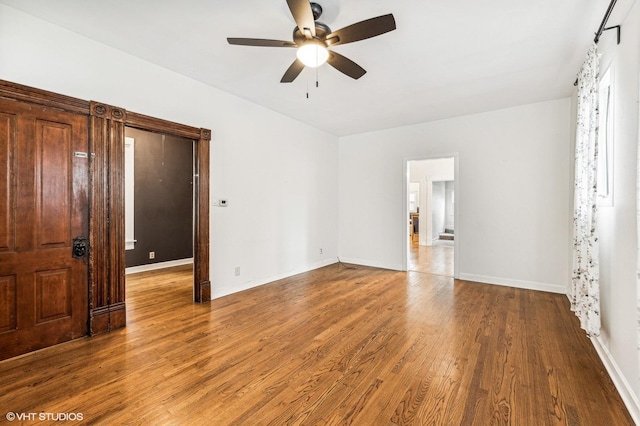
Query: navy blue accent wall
point(163, 198)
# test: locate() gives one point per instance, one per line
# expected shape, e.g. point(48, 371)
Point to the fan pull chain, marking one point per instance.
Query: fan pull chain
point(317, 60)
point(317, 84)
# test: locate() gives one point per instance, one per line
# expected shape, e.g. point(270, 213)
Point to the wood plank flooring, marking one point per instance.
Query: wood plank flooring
point(356, 346)
point(435, 259)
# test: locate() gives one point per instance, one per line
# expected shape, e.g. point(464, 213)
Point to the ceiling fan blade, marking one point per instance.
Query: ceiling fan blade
point(362, 30)
point(345, 65)
point(294, 70)
point(260, 42)
point(303, 15)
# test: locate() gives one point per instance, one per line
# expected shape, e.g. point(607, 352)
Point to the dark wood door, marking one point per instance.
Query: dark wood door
point(44, 173)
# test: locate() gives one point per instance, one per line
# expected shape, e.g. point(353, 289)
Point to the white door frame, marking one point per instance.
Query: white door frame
point(456, 208)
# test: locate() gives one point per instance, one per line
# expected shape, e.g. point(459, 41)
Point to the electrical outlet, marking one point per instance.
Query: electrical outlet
point(152, 255)
point(321, 251)
point(237, 271)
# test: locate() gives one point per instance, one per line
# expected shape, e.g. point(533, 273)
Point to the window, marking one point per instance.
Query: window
point(414, 197)
point(129, 238)
point(605, 140)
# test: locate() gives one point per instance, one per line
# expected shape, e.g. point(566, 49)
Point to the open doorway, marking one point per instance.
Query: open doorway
point(432, 237)
point(159, 208)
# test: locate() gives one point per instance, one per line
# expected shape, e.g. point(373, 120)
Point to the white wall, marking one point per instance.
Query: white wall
point(278, 175)
point(618, 343)
point(449, 221)
point(513, 197)
point(438, 207)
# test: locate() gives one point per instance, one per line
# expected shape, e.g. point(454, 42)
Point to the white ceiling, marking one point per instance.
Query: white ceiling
point(446, 58)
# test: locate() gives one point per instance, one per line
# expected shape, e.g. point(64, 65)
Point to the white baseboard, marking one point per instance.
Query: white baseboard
point(528, 285)
point(629, 398)
point(373, 264)
point(220, 291)
point(159, 265)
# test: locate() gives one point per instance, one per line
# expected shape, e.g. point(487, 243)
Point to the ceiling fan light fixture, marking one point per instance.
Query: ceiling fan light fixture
point(313, 53)
point(312, 39)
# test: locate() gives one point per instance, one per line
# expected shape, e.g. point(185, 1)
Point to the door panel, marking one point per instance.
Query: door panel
point(53, 294)
point(8, 303)
point(43, 207)
point(53, 184)
point(7, 165)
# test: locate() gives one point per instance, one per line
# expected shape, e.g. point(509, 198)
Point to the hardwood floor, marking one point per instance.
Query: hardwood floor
point(356, 346)
point(436, 259)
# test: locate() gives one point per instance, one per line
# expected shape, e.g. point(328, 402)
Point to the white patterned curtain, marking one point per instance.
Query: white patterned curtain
point(585, 288)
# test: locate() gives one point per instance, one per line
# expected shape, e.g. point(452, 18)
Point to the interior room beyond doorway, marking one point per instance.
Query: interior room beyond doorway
point(158, 201)
point(431, 207)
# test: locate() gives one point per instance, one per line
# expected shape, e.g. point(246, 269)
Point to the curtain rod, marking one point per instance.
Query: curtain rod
point(604, 22)
point(602, 27)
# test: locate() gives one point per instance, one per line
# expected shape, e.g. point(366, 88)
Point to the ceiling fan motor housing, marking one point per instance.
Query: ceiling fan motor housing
point(322, 31)
point(317, 10)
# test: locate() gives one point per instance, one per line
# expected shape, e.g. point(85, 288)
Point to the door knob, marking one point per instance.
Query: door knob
point(80, 247)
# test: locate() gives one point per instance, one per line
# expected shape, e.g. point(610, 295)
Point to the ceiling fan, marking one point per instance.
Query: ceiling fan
point(313, 39)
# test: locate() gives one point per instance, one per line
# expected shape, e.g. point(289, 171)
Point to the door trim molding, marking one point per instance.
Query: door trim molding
point(18, 92)
point(456, 207)
point(201, 138)
point(106, 223)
